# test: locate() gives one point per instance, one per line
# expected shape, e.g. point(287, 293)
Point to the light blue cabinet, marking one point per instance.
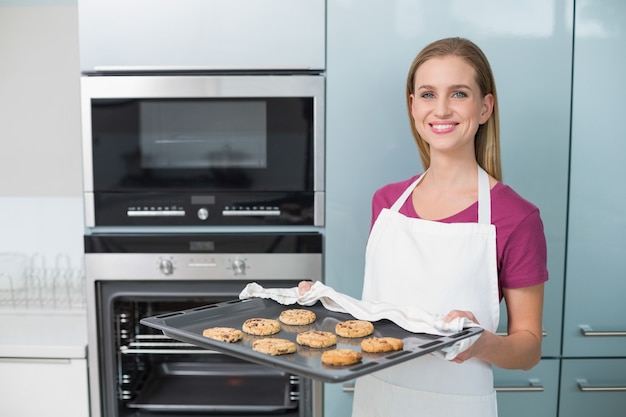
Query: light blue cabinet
point(595, 307)
point(370, 45)
point(528, 393)
point(593, 387)
point(593, 380)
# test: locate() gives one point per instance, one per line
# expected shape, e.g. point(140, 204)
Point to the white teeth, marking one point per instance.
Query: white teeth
point(442, 127)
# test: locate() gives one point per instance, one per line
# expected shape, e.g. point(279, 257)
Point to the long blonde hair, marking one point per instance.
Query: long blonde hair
point(487, 140)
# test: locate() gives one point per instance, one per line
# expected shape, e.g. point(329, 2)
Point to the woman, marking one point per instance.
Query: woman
point(454, 241)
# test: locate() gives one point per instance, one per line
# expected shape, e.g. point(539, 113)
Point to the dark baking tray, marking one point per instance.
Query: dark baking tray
point(187, 326)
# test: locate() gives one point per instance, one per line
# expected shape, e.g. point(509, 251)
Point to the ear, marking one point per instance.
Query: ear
point(487, 109)
point(412, 103)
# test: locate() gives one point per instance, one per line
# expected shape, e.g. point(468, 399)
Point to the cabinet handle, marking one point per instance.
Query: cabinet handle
point(587, 331)
point(584, 386)
point(534, 385)
point(348, 387)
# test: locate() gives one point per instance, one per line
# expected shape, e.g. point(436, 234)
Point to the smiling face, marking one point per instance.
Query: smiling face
point(447, 106)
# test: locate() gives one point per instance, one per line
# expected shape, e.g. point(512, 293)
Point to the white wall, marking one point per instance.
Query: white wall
point(40, 149)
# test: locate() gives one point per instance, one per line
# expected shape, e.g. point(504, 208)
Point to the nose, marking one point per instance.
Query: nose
point(442, 107)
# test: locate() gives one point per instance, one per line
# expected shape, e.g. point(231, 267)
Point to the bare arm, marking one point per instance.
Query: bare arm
point(521, 348)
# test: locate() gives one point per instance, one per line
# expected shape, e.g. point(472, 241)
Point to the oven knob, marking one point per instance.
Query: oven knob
point(239, 266)
point(203, 214)
point(166, 266)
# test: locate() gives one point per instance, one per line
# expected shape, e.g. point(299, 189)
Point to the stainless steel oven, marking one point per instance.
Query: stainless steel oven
point(190, 149)
point(137, 371)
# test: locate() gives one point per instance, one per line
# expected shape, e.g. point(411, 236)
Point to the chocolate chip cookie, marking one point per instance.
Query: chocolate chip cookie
point(354, 328)
point(341, 357)
point(261, 326)
point(274, 346)
point(224, 334)
point(381, 344)
point(297, 317)
point(316, 339)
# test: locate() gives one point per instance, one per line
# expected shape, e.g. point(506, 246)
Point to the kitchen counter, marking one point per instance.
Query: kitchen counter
point(43, 334)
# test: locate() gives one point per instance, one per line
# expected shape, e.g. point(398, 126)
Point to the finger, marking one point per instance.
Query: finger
point(459, 313)
point(453, 314)
point(304, 287)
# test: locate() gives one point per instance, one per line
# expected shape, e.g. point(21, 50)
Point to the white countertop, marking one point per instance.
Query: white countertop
point(43, 334)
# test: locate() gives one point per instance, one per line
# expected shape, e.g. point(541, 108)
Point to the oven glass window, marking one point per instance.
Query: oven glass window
point(208, 144)
point(203, 134)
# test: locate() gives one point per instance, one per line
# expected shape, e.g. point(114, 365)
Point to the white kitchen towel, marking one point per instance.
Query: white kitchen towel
point(410, 318)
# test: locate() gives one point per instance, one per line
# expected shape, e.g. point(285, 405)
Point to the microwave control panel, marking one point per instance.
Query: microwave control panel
point(252, 209)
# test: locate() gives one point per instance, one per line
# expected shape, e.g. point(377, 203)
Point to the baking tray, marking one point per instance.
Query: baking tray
point(187, 326)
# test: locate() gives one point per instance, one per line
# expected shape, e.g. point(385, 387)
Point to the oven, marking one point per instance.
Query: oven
point(137, 371)
point(193, 149)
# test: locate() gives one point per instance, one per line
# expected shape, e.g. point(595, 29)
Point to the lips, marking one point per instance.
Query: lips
point(443, 127)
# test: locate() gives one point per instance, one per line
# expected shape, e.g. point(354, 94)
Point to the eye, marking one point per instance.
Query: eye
point(459, 94)
point(427, 95)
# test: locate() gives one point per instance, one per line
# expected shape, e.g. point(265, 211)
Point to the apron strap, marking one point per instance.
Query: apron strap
point(405, 195)
point(484, 196)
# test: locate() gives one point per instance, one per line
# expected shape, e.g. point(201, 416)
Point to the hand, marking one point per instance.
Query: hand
point(304, 287)
point(460, 313)
point(474, 348)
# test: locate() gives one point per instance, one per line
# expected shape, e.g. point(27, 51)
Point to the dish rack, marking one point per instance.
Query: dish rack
point(28, 282)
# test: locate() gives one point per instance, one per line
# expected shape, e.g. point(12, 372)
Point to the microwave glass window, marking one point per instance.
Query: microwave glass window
point(263, 144)
point(201, 134)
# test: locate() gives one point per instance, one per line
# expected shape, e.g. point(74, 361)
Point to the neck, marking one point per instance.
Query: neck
point(452, 174)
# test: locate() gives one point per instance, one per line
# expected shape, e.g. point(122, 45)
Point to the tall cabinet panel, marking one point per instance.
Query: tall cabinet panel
point(594, 330)
point(595, 311)
point(370, 46)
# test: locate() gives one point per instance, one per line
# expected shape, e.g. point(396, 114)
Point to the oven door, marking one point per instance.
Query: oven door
point(200, 149)
point(143, 373)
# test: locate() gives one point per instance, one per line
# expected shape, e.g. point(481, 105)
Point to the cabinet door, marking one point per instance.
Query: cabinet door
point(201, 34)
point(595, 323)
point(44, 387)
point(528, 393)
point(593, 387)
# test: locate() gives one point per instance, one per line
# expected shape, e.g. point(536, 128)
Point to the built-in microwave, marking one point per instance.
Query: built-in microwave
point(187, 149)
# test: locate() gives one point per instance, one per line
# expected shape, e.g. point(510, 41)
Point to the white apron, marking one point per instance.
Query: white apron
point(439, 267)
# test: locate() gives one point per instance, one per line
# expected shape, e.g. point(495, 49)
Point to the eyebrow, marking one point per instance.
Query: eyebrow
point(452, 87)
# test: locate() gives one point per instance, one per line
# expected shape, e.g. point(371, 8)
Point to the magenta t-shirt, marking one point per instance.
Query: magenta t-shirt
point(520, 239)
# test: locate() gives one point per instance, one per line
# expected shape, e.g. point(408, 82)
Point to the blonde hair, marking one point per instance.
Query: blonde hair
point(487, 139)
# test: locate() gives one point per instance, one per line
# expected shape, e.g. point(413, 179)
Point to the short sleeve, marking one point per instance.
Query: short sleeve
point(524, 257)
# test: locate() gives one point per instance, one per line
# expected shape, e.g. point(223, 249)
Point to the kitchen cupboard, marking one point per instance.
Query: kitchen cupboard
point(594, 329)
point(40, 148)
point(595, 323)
point(593, 387)
point(217, 35)
point(43, 363)
point(370, 46)
point(32, 387)
point(529, 393)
